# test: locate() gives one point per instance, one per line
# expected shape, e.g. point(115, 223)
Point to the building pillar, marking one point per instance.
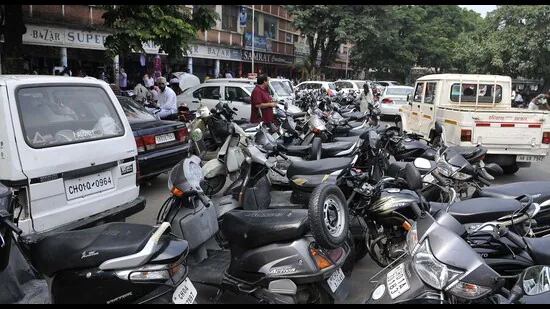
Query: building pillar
point(116, 67)
point(63, 56)
point(216, 68)
point(190, 65)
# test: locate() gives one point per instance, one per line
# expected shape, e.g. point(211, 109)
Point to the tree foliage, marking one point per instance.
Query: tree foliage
point(326, 27)
point(171, 27)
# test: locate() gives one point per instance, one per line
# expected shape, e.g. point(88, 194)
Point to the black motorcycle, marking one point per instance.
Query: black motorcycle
point(114, 263)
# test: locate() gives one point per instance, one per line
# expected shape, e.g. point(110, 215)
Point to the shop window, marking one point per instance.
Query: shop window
point(230, 15)
point(270, 27)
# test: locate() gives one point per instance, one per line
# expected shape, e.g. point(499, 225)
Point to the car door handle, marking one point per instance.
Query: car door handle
point(431, 108)
point(418, 106)
point(195, 101)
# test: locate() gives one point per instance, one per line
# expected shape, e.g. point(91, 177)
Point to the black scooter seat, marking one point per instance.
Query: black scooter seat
point(323, 166)
point(88, 248)
point(309, 182)
point(540, 190)
point(245, 229)
point(346, 139)
point(355, 124)
point(539, 248)
point(329, 150)
point(478, 210)
point(470, 152)
point(298, 150)
point(245, 126)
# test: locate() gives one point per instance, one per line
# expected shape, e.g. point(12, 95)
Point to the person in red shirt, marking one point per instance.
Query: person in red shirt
point(260, 100)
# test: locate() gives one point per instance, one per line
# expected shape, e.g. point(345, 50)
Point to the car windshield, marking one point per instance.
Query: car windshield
point(135, 112)
point(398, 91)
point(279, 88)
point(288, 86)
point(60, 115)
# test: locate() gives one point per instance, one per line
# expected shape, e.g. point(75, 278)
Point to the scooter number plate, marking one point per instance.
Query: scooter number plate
point(397, 281)
point(336, 279)
point(185, 293)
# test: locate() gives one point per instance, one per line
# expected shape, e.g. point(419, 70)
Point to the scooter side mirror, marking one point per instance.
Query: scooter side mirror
point(494, 169)
point(534, 280)
point(438, 128)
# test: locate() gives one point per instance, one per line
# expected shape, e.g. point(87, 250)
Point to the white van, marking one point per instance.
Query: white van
point(67, 151)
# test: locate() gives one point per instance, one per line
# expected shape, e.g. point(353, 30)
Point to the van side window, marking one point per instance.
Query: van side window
point(418, 92)
point(484, 93)
point(430, 93)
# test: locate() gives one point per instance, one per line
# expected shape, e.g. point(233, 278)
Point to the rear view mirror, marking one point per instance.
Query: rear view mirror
point(408, 97)
point(438, 128)
point(412, 177)
point(199, 96)
point(494, 169)
point(235, 109)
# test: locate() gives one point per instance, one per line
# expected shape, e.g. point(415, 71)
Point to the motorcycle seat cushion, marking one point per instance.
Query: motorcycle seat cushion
point(323, 166)
point(479, 210)
point(88, 248)
point(355, 116)
point(298, 150)
point(539, 249)
point(251, 229)
point(540, 190)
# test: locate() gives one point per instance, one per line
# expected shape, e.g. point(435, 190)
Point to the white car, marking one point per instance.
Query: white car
point(392, 98)
point(279, 89)
point(387, 83)
point(315, 85)
point(236, 94)
point(350, 85)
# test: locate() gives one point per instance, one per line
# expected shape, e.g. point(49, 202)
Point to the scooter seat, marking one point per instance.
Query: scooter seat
point(355, 124)
point(245, 229)
point(298, 150)
point(540, 190)
point(346, 139)
point(479, 210)
point(245, 126)
point(539, 248)
point(470, 152)
point(309, 182)
point(89, 247)
point(355, 116)
point(335, 149)
point(323, 166)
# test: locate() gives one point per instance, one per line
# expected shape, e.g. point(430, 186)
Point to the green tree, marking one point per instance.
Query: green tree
point(172, 27)
point(326, 27)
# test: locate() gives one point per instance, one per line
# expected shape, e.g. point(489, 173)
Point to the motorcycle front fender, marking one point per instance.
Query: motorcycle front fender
point(213, 168)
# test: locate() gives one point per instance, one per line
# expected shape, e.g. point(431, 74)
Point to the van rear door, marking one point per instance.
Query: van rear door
point(76, 149)
point(500, 129)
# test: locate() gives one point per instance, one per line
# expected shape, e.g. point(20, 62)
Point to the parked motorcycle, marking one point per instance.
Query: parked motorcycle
point(113, 263)
point(276, 256)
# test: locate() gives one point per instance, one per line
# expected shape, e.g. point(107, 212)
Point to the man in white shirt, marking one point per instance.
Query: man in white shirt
point(167, 102)
point(123, 79)
point(148, 82)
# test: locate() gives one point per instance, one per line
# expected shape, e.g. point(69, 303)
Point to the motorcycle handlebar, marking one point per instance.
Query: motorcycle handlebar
point(516, 239)
point(5, 220)
point(203, 199)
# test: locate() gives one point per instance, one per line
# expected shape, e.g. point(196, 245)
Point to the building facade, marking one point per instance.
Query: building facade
point(73, 36)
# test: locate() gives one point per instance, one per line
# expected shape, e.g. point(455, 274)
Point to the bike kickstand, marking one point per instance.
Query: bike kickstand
point(216, 298)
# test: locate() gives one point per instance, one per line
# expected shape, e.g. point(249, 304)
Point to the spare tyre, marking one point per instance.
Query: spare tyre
point(328, 216)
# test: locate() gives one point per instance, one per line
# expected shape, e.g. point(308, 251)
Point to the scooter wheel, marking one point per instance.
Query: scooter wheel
point(328, 216)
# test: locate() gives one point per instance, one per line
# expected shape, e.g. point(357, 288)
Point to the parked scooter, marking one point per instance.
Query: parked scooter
point(113, 263)
point(276, 256)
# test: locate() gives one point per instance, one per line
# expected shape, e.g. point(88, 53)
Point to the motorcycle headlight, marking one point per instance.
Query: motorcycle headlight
point(412, 238)
point(198, 113)
point(432, 271)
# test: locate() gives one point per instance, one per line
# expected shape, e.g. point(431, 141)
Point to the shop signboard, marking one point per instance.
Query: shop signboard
point(260, 42)
point(215, 52)
point(73, 38)
point(267, 58)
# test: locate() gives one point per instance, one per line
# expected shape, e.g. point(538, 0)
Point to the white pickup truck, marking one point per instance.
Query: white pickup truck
point(476, 109)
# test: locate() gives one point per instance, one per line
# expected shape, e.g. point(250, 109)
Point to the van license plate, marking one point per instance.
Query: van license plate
point(79, 187)
point(530, 158)
point(397, 281)
point(165, 138)
point(185, 293)
point(336, 279)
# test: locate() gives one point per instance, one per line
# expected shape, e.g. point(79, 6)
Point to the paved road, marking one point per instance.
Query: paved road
point(157, 192)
